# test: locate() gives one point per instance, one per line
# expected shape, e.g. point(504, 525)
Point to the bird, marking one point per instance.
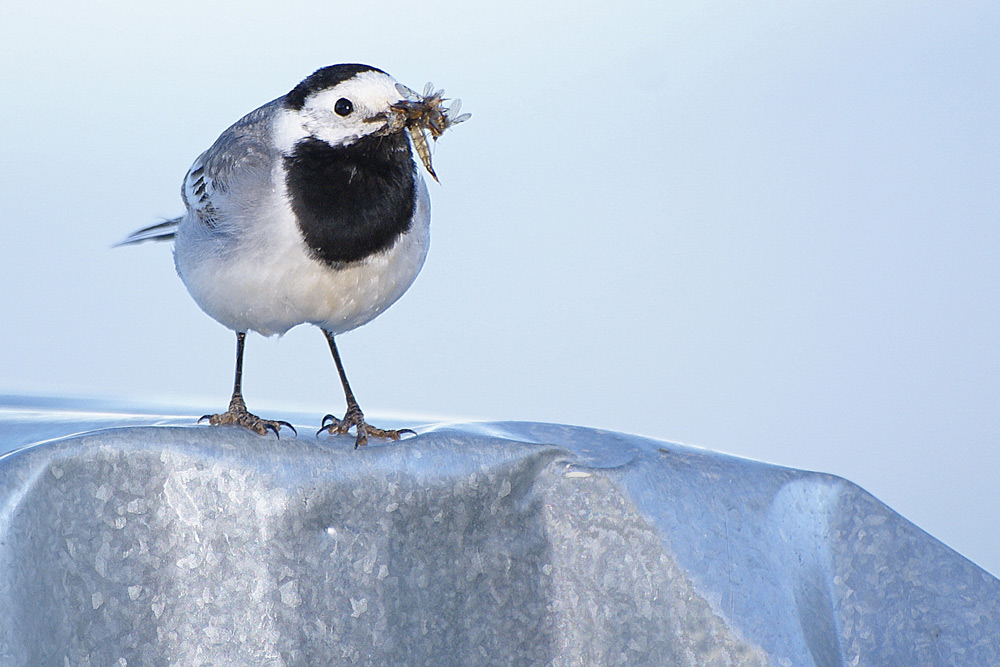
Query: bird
point(312, 210)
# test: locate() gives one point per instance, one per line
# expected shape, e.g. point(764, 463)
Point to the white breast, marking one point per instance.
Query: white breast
point(256, 273)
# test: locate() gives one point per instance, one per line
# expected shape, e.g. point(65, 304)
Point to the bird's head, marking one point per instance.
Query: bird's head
point(342, 104)
point(339, 105)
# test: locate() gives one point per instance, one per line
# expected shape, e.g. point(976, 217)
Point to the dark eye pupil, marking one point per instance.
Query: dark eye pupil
point(343, 106)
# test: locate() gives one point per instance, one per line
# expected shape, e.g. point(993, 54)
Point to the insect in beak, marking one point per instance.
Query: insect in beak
point(423, 114)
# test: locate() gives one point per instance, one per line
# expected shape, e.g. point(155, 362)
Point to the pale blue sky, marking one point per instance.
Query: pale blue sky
point(769, 229)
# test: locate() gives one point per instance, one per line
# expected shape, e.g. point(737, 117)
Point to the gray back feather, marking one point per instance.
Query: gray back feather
point(242, 158)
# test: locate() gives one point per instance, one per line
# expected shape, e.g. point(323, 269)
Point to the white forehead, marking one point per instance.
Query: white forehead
point(369, 92)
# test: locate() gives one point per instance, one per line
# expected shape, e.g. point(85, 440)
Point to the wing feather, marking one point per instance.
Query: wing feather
point(241, 159)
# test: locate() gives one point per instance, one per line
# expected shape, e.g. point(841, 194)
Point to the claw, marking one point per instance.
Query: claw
point(355, 418)
point(238, 415)
point(276, 424)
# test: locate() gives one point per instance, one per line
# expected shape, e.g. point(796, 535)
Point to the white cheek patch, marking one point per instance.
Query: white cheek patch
point(335, 130)
point(291, 127)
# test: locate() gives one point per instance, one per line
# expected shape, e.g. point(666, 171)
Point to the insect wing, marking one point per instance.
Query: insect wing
point(408, 93)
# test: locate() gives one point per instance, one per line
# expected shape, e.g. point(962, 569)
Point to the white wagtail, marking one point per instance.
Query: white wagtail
point(310, 209)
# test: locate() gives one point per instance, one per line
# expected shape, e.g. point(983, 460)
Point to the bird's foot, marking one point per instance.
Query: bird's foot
point(354, 417)
point(240, 416)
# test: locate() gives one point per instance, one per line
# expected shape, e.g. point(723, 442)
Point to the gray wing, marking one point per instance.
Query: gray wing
point(241, 160)
point(236, 172)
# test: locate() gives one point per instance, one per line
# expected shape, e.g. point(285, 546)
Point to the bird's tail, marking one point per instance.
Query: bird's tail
point(163, 231)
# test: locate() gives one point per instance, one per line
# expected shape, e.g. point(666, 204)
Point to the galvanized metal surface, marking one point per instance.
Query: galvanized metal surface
point(469, 544)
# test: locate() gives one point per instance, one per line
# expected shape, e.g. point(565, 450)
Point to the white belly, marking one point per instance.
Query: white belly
point(261, 277)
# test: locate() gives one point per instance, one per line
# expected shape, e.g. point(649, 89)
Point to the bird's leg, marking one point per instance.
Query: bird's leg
point(353, 417)
point(238, 413)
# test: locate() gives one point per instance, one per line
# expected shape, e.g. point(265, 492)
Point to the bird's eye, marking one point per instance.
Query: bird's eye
point(343, 107)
